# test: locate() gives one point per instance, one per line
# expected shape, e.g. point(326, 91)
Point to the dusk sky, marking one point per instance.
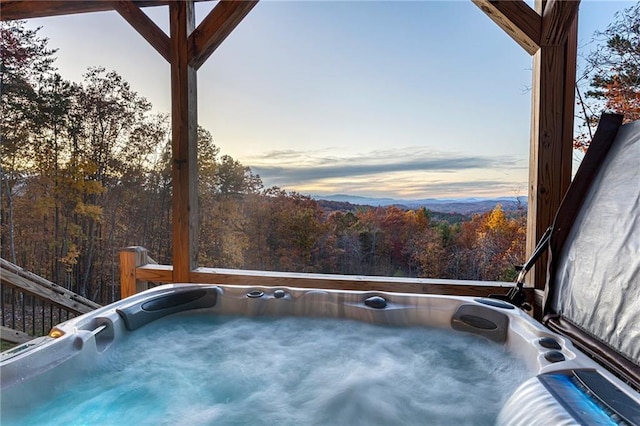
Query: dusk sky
point(419, 99)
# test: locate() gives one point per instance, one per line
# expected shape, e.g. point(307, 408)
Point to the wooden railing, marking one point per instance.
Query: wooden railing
point(32, 305)
point(136, 272)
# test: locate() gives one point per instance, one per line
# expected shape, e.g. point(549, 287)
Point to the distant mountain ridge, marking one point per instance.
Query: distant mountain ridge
point(468, 205)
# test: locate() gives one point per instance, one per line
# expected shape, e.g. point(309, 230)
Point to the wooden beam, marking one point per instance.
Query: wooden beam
point(25, 9)
point(156, 273)
point(550, 158)
point(348, 282)
point(44, 288)
point(215, 28)
point(145, 26)
point(13, 336)
point(184, 121)
point(557, 20)
point(60, 299)
point(163, 273)
point(517, 19)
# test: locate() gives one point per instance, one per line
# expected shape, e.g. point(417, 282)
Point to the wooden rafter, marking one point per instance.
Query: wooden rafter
point(145, 26)
point(556, 20)
point(517, 19)
point(215, 28)
point(25, 9)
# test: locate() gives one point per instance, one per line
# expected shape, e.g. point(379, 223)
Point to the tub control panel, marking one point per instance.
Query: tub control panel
point(590, 398)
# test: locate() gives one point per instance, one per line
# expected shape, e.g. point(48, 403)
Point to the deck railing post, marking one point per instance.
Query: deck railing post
point(130, 259)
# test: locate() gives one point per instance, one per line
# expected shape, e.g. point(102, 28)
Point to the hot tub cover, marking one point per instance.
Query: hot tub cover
point(593, 289)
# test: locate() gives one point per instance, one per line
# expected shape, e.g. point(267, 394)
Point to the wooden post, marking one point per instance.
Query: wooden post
point(186, 49)
point(550, 33)
point(130, 259)
point(184, 142)
point(554, 75)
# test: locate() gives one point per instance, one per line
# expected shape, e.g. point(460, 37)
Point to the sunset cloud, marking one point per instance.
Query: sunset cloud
point(408, 172)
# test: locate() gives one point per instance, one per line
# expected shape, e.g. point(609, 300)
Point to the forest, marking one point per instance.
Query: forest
point(86, 171)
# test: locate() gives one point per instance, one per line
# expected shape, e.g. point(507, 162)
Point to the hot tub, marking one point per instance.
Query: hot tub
point(555, 381)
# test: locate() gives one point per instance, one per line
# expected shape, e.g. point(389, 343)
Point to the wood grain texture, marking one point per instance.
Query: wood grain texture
point(215, 28)
point(184, 120)
point(144, 26)
point(13, 336)
point(557, 19)
point(10, 270)
point(72, 303)
point(550, 157)
point(155, 273)
point(570, 46)
point(130, 259)
point(517, 19)
point(546, 154)
point(25, 9)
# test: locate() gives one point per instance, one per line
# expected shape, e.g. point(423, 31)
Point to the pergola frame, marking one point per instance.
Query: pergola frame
point(548, 33)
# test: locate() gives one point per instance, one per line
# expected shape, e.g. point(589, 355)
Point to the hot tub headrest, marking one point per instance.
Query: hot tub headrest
point(176, 300)
point(481, 320)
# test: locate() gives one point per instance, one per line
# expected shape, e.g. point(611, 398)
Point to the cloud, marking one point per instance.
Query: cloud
point(298, 158)
point(405, 172)
point(300, 167)
point(409, 188)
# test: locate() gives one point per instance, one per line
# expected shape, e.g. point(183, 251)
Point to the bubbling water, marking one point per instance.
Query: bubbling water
point(202, 370)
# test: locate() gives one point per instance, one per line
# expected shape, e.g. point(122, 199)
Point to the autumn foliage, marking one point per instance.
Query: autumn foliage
point(86, 171)
point(613, 75)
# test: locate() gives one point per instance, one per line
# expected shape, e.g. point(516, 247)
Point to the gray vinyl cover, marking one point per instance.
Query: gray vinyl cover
point(598, 275)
